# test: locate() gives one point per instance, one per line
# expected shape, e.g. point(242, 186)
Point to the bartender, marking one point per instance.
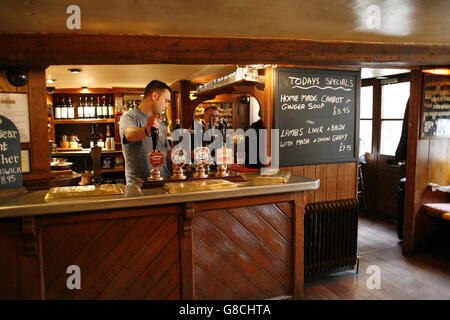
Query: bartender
point(135, 132)
point(211, 115)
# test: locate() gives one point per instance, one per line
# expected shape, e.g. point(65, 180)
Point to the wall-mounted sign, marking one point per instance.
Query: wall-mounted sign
point(10, 155)
point(436, 107)
point(316, 112)
point(14, 106)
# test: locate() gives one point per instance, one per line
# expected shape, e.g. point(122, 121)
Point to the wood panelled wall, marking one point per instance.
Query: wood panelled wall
point(38, 146)
point(428, 162)
point(337, 180)
point(122, 254)
point(225, 240)
point(433, 166)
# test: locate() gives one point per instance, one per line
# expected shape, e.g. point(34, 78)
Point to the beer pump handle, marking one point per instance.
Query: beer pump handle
point(154, 134)
point(223, 129)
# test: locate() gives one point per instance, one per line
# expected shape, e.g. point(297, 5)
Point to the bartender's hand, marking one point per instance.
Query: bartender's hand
point(154, 121)
point(137, 134)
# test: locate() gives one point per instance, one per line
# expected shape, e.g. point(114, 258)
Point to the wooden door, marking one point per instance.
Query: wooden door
point(383, 178)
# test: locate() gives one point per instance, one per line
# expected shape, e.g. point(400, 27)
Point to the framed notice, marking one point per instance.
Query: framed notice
point(436, 107)
point(14, 106)
point(25, 160)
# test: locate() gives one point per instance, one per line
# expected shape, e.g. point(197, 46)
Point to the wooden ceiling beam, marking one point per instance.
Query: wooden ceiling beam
point(76, 48)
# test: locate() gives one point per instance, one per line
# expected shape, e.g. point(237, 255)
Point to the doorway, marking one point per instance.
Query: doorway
point(384, 97)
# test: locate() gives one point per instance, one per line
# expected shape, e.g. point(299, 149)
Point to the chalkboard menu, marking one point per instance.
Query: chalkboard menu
point(436, 108)
point(10, 155)
point(316, 112)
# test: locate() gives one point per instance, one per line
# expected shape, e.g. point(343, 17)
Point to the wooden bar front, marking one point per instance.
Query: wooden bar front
point(242, 248)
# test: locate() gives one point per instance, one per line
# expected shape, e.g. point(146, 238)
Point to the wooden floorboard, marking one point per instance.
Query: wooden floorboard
point(423, 276)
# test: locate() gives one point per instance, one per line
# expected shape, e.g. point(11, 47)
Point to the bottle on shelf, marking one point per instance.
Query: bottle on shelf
point(87, 114)
point(100, 142)
point(92, 109)
point(99, 109)
point(80, 109)
point(64, 109)
point(57, 109)
point(104, 108)
point(110, 109)
point(70, 109)
point(108, 138)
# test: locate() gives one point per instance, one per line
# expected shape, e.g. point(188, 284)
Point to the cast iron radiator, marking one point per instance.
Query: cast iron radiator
point(331, 230)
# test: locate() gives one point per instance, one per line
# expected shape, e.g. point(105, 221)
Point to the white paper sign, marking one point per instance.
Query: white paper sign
point(14, 106)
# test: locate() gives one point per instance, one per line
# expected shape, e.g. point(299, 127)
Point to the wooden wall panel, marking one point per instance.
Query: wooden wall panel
point(428, 162)
point(337, 180)
point(331, 193)
point(129, 258)
point(36, 89)
point(9, 263)
point(20, 273)
point(438, 161)
point(243, 253)
point(310, 171)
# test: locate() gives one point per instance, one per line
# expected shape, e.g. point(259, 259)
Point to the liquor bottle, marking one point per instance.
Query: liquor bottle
point(99, 109)
point(70, 110)
point(63, 109)
point(80, 109)
point(104, 108)
point(86, 108)
point(57, 109)
point(110, 109)
point(100, 142)
point(92, 109)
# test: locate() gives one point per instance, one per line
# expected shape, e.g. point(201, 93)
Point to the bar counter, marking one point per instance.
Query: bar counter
point(241, 243)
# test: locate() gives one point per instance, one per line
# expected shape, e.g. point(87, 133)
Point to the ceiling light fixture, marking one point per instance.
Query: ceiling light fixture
point(51, 81)
point(439, 71)
point(75, 70)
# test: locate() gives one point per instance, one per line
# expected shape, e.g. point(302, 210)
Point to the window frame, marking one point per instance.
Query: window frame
point(376, 110)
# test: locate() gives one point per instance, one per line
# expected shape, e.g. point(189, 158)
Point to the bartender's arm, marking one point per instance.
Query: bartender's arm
point(137, 134)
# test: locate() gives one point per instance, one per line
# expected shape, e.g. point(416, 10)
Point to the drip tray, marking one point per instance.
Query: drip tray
point(83, 191)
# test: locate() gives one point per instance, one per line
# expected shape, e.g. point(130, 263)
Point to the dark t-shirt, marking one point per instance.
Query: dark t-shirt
point(256, 126)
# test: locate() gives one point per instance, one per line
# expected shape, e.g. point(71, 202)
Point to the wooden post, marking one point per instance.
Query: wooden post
point(298, 267)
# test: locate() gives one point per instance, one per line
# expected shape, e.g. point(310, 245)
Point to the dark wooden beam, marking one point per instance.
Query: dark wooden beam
point(58, 49)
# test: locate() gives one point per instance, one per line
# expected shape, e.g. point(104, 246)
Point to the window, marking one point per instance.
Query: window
point(394, 97)
point(366, 121)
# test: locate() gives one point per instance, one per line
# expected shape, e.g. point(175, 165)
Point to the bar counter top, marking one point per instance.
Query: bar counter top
point(33, 203)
